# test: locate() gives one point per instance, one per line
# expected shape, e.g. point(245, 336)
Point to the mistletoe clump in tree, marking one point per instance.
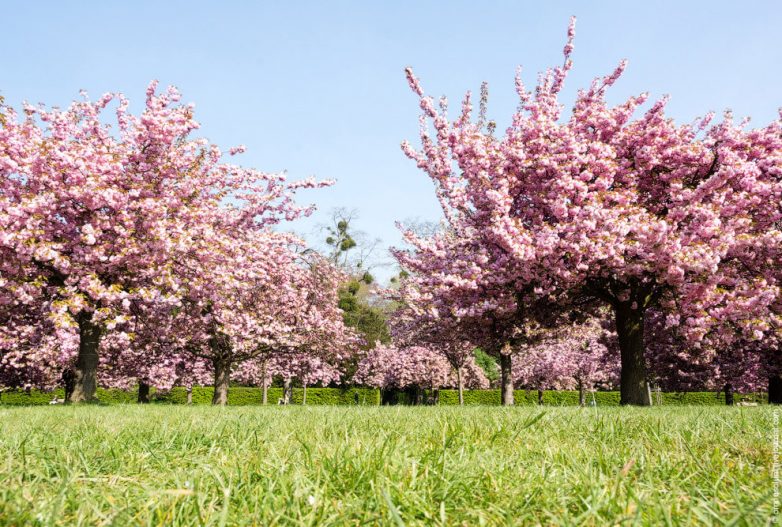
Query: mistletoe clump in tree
point(353, 253)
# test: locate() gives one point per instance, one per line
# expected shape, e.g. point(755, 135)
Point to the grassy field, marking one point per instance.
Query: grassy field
point(174, 465)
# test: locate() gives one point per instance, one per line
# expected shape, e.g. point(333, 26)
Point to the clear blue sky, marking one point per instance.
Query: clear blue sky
point(317, 88)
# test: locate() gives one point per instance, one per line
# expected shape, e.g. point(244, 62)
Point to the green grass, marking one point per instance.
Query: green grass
point(178, 465)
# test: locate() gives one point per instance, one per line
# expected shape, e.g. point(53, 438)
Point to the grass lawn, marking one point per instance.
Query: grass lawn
point(177, 465)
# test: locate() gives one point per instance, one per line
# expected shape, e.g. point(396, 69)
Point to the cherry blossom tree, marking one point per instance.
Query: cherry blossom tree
point(95, 217)
point(419, 367)
point(718, 364)
point(308, 369)
point(578, 356)
point(450, 288)
point(595, 356)
point(147, 351)
point(140, 350)
point(632, 212)
point(319, 357)
point(754, 289)
point(283, 301)
point(416, 324)
point(190, 373)
point(31, 346)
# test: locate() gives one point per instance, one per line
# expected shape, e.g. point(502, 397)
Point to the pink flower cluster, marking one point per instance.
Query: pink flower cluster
point(609, 205)
point(132, 251)
point(387, 366)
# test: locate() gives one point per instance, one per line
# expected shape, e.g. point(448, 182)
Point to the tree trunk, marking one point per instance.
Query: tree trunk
point(540, 397)
point(222, 368)
point(581, 394)
point(68, 379)
point(506, 394)
point(264, 385)
point(775, 390)
point(143, 393)
point(287, 391)
point(409, 396)
point(460, 385)
point(85, 381)
point(304, 395)
point(189, 395)
point(729, 394)
point(633, 385)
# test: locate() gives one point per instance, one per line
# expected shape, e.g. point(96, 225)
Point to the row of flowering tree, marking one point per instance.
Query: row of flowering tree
point(610, 242)
point(132, 251)
point(421, 368)
point(609, 207)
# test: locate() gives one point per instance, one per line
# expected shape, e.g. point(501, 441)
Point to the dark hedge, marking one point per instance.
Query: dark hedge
point(38, 397)
point(245, 396)
point(569, 398)
point(237, 396)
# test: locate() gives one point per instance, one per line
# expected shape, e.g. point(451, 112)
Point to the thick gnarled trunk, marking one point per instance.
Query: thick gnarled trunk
point(222, 367)
point(143, 393)
point(775, 390)
point(287, 391)
point(633, 386)
point(415, 395)
point(729, 394)
point(85, 378)
point(506, 377)
point(68, 380)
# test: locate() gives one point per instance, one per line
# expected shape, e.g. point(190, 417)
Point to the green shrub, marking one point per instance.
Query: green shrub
point(695, 398)
point(488, 364)
point(471, 397)
point(237, 396)
point(39, 397)
point(113, 396)
point(570, 398)
point(338, 396)
point(247, 396)
point(244, 396)
point(527, 397)
point(33, 397)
